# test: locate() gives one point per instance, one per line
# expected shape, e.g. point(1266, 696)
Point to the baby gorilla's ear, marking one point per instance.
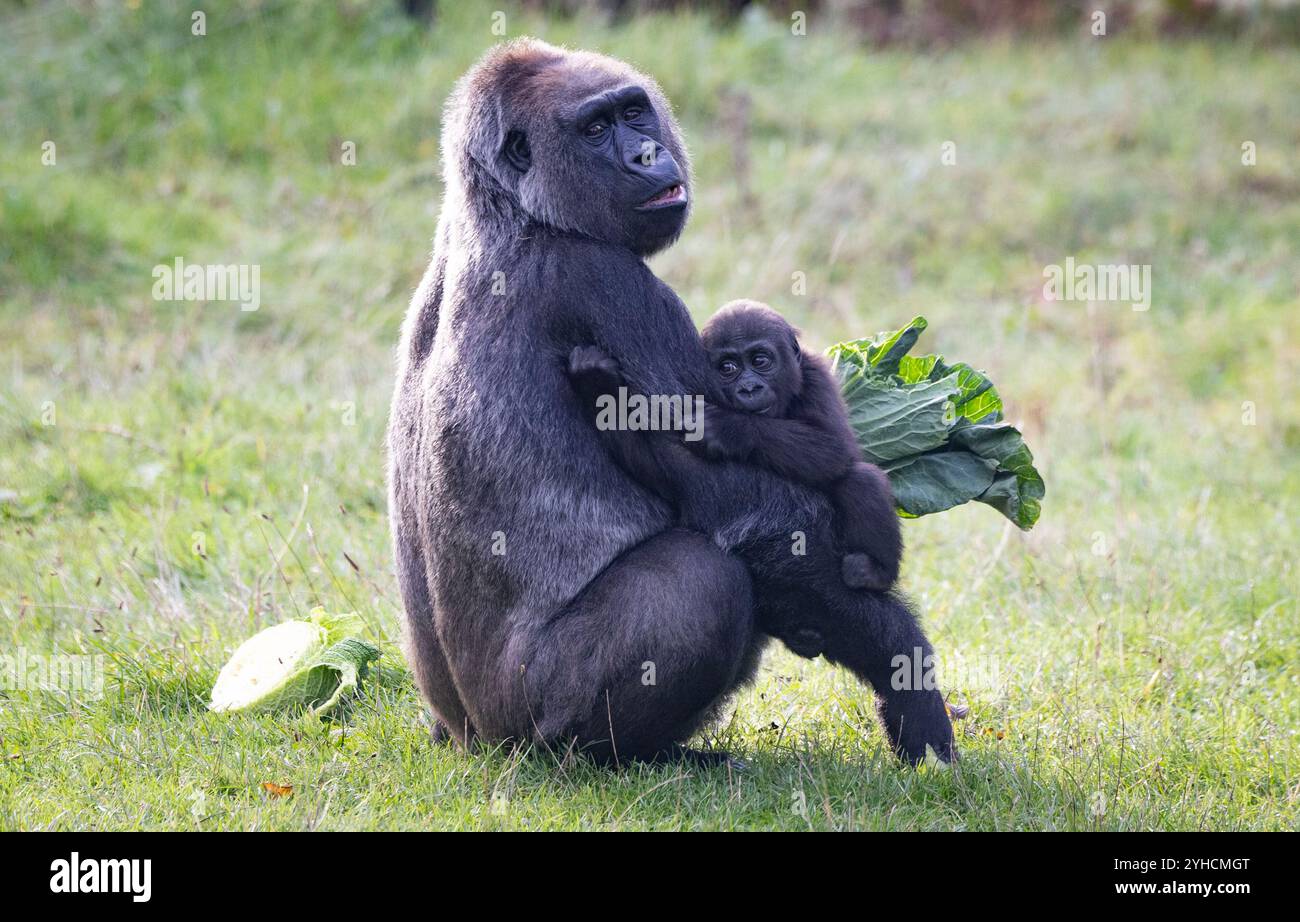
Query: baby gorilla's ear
point(793, 375)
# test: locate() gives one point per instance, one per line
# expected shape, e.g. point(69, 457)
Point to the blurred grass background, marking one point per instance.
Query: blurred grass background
point(1131, 663)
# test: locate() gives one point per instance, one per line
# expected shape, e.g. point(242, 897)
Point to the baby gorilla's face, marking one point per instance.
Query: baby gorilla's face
point(756, 356)
point(755, 372)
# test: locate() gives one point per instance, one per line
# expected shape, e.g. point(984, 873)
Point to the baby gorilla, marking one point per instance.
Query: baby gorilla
point(786, 414)
point(800, 596)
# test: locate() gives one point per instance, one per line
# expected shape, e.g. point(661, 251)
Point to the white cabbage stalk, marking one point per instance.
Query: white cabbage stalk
point(309, 663)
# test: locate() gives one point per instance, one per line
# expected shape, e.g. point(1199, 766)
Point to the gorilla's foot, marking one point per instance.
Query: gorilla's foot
point(914, 720)
point(700, 758)
point(438, 732)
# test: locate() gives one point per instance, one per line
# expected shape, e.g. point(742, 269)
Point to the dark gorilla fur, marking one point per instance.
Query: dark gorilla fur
point(784, 412)
point(550, 597)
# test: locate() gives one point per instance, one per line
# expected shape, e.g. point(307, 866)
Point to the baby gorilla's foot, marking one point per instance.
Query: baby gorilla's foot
point(859, 571)
point(914, 720)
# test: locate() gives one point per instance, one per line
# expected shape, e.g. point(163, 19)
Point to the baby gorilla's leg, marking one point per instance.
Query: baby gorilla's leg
point(868, 528)
point(876, 635)
point(801, 602)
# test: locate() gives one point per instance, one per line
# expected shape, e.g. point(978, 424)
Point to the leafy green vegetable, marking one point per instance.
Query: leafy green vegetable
point(308, 663)
point(935, 428)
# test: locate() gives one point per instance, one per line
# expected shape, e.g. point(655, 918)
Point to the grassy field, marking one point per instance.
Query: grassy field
point(176, 475)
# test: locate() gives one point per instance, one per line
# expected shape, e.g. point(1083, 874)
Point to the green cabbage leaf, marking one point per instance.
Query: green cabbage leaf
point(935, 428)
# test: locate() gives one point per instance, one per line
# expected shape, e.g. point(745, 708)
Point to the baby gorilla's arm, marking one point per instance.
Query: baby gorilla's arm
point(795, 449)
point(868, 527)
point(865, 518)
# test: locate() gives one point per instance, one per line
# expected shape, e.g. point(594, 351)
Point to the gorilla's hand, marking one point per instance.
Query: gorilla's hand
point(593, 364)
point(804, 641)
point(728, 435)
point(862, 571)
point(593, 374)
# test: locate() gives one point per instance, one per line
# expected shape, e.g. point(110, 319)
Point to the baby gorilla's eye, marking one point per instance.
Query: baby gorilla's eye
point(632, 113)
point(761, 361)
point(728, 368)
point(595, 130)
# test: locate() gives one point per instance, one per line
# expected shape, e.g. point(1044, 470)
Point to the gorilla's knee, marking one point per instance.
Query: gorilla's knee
point(676, 627)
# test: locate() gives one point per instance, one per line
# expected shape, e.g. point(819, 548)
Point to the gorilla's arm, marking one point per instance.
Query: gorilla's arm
point(658, 461)
point(868, 527)
point(656, 350)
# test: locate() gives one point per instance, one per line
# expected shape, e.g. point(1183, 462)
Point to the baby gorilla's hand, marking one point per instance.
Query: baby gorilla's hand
point(805, 641)
point(860, 571)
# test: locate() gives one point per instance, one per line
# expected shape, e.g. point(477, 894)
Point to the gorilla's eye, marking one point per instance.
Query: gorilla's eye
point(632, 113)
point(761, 360)
point(595, 131)
point(728, 368)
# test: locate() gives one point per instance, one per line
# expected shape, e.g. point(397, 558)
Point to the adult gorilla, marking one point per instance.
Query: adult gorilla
point(549, 598)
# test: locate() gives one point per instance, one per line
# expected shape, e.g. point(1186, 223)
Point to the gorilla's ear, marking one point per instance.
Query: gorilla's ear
point(516, 151)
point(794, 343)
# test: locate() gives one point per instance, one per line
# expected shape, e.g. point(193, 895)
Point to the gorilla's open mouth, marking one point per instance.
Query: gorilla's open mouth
point(673, 195)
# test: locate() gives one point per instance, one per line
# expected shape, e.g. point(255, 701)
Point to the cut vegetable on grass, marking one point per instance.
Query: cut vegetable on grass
point(936, 429)
point(311, 663)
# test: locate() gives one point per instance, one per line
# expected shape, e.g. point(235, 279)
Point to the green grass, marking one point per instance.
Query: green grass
point(1130, 664)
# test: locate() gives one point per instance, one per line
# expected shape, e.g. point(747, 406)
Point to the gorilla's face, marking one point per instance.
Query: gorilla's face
point(756, 356)
point(597, 152)
point(621, 137)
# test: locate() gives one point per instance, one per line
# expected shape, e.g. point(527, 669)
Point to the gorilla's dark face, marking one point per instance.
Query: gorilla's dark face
point(622, 137)
point(756, 356)
point(589, 145)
